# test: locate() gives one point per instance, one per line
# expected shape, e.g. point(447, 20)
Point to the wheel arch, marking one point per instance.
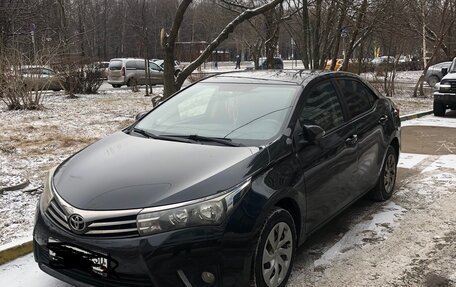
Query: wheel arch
point(292, 207)
point(395, 144)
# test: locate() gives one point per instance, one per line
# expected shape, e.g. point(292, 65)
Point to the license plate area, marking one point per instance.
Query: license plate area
point(68, 256)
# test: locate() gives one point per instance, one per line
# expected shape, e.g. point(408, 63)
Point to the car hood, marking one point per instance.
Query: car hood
point(128, 172)
point(449, 76)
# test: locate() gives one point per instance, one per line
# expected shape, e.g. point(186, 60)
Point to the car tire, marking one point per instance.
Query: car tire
point(433, 80)
point(132, 82)
point(116, 86)
point(273, 270)
point(439, 109)
point(385, 183)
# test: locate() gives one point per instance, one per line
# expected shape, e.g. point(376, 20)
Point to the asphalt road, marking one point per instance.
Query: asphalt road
point(331, 256)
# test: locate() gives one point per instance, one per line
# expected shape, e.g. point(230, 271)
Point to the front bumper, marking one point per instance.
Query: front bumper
point(445, 98)
point(156, 260)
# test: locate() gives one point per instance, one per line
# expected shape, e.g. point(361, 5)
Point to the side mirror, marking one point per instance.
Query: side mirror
point(140, 115)
point(156, 101)
point(444, 71)
point(311, 133)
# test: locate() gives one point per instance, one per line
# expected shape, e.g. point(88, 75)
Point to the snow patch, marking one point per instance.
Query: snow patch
point(375, 229)
point(432, 121)
point(444, 161)
point(410, 160)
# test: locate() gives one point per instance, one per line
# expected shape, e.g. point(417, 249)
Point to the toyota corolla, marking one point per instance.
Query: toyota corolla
point(219, 184)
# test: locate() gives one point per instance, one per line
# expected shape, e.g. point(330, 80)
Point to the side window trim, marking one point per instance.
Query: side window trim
point(345, 104)
point(303, 99)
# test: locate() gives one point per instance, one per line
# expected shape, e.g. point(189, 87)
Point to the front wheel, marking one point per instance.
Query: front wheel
point(275, 251)
point(432, 81)
point(439, 109)
point(385, 183)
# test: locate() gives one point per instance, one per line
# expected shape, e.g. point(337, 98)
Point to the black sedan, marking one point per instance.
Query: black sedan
point(219, 184)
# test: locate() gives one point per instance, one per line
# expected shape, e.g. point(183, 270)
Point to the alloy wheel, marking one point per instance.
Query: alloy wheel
point(390, 173)
point(277, 254)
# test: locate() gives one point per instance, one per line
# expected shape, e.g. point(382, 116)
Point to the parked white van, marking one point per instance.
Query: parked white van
point(132, 71)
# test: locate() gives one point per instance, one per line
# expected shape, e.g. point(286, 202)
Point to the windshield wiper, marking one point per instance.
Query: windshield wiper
point(224, 141)
point(161, 137)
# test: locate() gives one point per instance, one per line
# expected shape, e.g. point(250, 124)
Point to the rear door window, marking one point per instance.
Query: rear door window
point(131, 65)
point(358, 97)
point(115, 65)
point(322, 107)
point(140, 65)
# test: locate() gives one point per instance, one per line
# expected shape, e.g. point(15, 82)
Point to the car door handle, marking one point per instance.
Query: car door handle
point(383, 119)
point(351, 141)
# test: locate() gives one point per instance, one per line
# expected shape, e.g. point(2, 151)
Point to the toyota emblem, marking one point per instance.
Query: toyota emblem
point(77, 223)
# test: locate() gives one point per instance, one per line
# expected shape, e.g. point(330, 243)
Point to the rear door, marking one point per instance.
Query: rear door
point(115, 70)
point(329, 163)
point(370, 116)
point(156, 73)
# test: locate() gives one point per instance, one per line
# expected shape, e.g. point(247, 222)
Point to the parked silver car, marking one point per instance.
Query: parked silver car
point(434, 73)
point(161, 63)
point(40, 78)
point(132, 71)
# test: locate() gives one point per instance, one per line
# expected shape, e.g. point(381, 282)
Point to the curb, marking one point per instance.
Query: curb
point(10, 253)
point(415, 116)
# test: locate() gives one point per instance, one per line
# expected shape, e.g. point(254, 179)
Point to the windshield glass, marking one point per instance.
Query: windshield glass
point(250, 114)
point(453, 66)
point(115, 65)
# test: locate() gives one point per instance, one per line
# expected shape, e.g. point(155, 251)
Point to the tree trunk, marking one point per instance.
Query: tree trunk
point(172, 85)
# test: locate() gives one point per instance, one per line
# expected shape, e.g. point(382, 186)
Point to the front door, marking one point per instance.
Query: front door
point(328, 163)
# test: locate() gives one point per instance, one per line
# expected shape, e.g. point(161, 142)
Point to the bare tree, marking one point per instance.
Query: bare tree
point(168, 41)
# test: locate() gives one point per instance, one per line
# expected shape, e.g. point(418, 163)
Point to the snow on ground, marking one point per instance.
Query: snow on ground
point(24, 272)
point(432, 121)
point(32, 142)
point(403, 242)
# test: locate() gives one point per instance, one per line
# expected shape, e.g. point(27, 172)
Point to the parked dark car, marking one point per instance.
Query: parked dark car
point(219, 184)
point(277, 65)
point(434, 73)
point(445, 91)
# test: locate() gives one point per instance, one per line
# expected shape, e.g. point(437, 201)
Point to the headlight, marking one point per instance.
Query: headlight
point(206, 211)
point(445, 86)
point(47, 194)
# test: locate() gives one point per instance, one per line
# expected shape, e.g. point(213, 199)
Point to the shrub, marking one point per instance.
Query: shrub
point(14, 91)
point(80, 78)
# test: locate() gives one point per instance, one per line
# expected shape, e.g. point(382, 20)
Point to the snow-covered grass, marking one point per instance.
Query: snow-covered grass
point(31, 142)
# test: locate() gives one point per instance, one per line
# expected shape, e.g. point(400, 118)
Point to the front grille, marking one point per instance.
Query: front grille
point(453, 87)
point(120, 226)
point(56, 214)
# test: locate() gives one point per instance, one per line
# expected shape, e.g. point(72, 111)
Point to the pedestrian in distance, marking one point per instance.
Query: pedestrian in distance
point(238, 62)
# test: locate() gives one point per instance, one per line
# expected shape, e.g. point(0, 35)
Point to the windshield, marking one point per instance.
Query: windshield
point(453, 66)
point(115, 65)
point(249, 114)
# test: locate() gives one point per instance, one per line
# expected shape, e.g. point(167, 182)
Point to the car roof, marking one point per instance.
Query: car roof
point(290, 77)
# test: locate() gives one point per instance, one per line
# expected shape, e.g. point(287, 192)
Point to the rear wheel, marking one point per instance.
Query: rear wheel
point(385, 183)
point(132, 82)
point(432, 81)
point(439, 109)
point(275, 251)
